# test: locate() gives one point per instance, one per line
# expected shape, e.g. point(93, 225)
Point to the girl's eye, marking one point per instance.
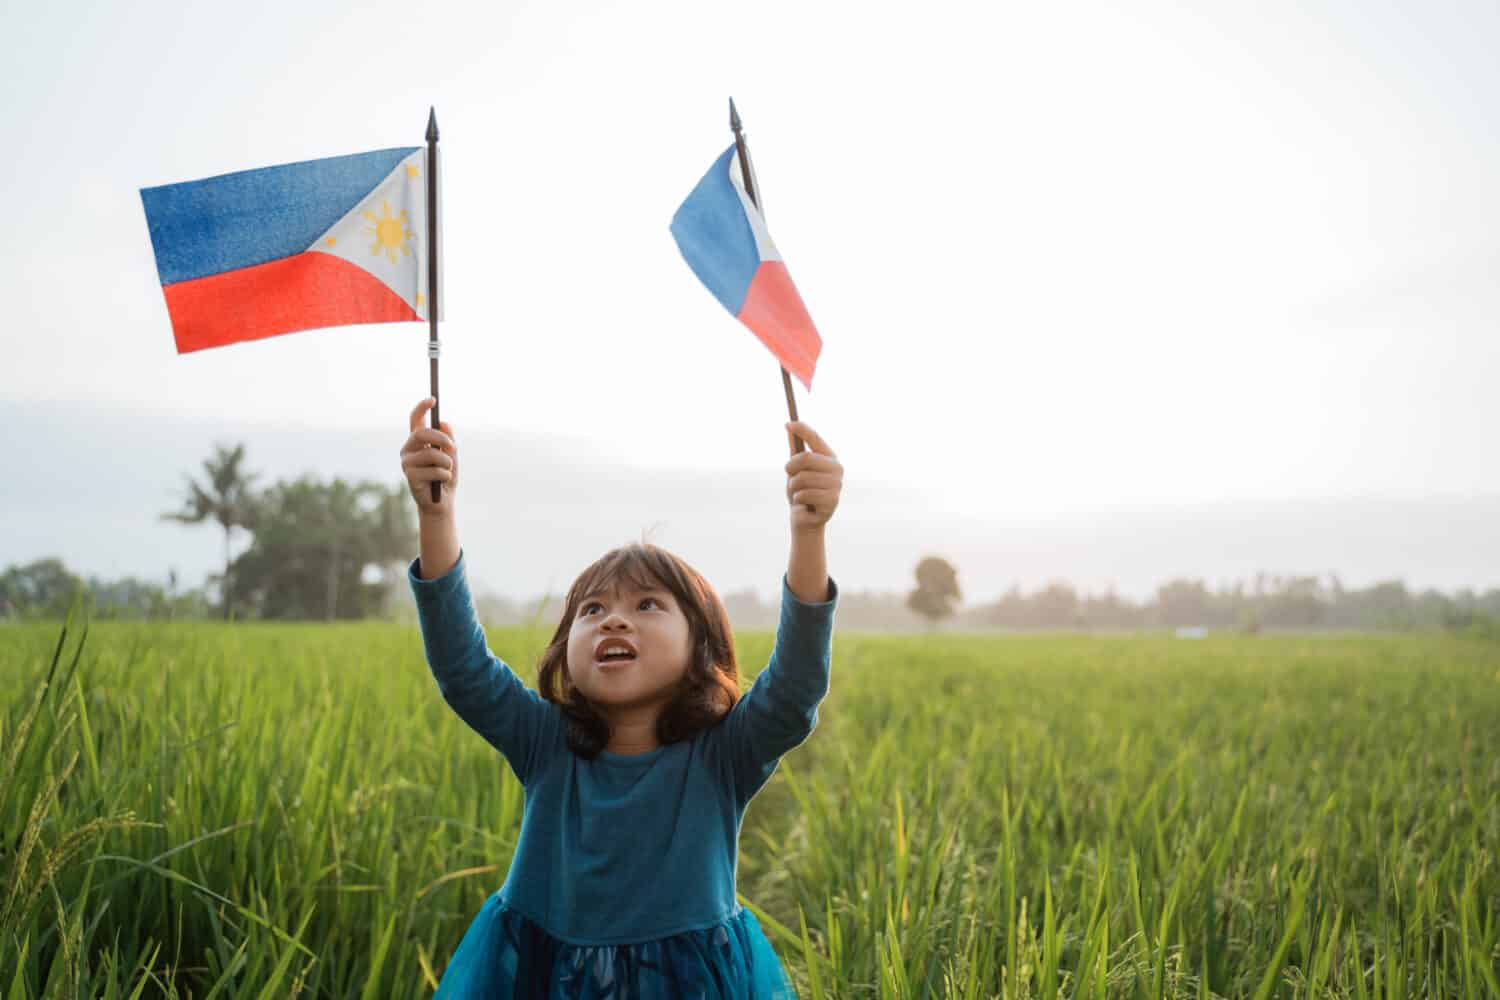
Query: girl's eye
point(649, 600)
point(590, 608)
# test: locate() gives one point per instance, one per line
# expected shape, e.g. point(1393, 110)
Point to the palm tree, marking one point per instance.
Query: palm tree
point(227, 500)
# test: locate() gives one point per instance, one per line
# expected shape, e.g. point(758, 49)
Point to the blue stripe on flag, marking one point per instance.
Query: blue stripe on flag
point(238, 220)
point(715, 237)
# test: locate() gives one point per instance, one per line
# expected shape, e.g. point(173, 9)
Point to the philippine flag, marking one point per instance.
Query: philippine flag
point(319, 243)
point(723, 237)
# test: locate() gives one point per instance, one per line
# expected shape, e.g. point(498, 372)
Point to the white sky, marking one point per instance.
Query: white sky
point(1062, 257)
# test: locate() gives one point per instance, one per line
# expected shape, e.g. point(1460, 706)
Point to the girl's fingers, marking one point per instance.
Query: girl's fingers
point(420, 410)
point(814, 480)
point(427, 456)
point(813, 438)
point(812, 460)
point(822, 501)
point(422, 437)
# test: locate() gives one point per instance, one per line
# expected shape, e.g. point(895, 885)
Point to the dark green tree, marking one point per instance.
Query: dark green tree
point(326, 550)
point(1184, 602)
point(226, 499)
point(936, 595)
point(1056, 606)
point(40, 589)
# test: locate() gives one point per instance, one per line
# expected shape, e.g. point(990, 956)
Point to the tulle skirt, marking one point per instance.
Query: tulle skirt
point(505, 956)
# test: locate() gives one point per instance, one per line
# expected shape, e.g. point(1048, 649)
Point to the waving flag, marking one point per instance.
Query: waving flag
point(319, 243)
point(723, 238)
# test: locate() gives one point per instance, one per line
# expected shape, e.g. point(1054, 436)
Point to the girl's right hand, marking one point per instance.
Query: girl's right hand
point(430, 455)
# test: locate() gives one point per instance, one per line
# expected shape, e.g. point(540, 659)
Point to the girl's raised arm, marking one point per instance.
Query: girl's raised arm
point(477, 684)
point(781, 707)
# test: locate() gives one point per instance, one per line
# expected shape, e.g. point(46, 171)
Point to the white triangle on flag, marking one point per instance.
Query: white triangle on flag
point(763, 244)
point(386, 234)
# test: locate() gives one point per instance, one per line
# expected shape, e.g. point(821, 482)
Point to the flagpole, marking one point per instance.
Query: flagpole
point(433, 348)
point(749, 175)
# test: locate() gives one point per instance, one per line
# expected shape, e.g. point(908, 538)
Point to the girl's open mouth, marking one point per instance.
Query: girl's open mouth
point(612, 654)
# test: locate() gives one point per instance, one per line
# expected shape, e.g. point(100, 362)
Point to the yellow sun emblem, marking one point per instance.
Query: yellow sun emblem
point(390, 233)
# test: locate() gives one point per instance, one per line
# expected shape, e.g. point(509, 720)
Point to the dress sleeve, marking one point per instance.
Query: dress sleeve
point(477, 684)
point(781, 707)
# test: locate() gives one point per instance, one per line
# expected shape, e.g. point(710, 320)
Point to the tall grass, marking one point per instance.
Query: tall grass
point(271, 811)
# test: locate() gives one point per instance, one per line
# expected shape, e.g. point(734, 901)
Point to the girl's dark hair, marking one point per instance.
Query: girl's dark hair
point(709, 688)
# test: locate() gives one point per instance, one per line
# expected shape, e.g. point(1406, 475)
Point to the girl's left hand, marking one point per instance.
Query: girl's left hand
point(814, 480)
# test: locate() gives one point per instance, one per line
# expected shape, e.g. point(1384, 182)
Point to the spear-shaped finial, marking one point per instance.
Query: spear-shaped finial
point(432, 132)
point(747, 170)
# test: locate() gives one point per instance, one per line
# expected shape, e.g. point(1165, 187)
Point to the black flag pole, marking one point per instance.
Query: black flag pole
point(748, 172)
point(432, 274)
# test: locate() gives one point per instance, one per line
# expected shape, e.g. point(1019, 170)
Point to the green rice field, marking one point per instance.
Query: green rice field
point(291, 810)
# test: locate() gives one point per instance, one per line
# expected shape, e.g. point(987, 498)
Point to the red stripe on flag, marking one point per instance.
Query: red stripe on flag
point(774, 312)
point(301, 292)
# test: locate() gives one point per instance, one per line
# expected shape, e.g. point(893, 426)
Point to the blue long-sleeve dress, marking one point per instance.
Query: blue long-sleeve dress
point(623, 880)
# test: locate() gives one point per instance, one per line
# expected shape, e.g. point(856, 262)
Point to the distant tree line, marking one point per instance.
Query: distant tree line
point(45, 588)
point(1286, 602)
point(317, 551)
point(1267, 602)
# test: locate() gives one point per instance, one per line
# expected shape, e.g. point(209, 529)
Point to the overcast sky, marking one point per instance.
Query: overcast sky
point(1064, 258)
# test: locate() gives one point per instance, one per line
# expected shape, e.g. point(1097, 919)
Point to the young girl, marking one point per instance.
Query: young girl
point(638, 756)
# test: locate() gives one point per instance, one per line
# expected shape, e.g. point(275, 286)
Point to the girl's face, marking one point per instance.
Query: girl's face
point(629, 647)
